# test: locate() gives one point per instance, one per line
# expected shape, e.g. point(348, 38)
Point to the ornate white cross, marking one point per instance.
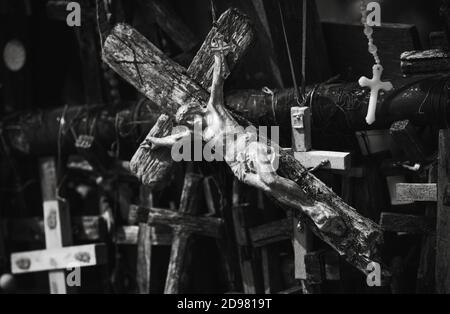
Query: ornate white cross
point(375, 84)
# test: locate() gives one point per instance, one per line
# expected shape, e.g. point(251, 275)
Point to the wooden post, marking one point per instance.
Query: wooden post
point(427, 262)
point(443, 216)
point(180, 256)
point(144, 247)
point(246, 255)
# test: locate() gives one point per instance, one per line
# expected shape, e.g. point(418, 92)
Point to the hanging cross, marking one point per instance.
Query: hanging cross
point(375, 84)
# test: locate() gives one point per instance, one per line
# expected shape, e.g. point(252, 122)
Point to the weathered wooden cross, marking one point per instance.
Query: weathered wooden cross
point(434, 195)
point(170, 86)
point(58, 255)
point(185, 222)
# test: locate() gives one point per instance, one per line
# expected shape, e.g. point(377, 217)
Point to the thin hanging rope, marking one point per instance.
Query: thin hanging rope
point(304, 29)
point(291, 64)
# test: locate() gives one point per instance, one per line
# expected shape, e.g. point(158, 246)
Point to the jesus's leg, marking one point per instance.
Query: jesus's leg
point(290, 193)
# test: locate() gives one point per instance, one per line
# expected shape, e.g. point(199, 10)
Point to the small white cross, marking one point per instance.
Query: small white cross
point(375, 84)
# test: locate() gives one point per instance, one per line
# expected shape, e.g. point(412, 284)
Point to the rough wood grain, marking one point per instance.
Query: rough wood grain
point(416, 192)
point(150, 166)
point(122, 45)
point(359, 244)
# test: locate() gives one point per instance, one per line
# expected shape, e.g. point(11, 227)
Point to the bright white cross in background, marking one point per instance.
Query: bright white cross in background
point(375, 84)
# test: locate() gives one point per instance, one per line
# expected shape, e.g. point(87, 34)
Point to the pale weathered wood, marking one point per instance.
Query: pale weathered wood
point(410, 224)
point(443, 216)
point(416, 192)
point(58, 258)
point(324, 159)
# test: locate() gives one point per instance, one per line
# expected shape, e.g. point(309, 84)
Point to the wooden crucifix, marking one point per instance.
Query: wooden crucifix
point(59, 254)
point(167, 84)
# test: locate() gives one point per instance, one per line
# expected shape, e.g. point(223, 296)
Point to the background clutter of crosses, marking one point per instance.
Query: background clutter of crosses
point(78, 190)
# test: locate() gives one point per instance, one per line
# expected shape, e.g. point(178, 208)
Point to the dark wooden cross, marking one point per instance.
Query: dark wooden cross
point(185, 223)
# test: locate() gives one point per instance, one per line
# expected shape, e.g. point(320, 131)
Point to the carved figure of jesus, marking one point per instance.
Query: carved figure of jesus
point(251, 161)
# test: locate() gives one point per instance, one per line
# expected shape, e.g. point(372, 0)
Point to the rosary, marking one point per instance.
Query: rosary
point(375, 84)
